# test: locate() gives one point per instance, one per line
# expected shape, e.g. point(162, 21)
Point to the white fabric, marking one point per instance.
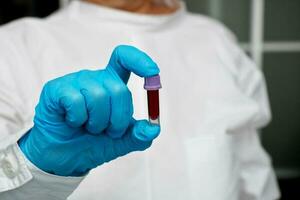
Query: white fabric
point(212, 103)
point(42, 186)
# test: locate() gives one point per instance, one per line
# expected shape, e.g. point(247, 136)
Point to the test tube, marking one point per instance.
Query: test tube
point(152, 85)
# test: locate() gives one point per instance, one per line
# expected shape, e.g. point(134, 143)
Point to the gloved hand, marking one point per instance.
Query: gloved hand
point(84, 119)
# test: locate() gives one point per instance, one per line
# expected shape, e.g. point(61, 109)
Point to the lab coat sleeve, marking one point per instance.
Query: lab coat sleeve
point(13, 170)
point(250, 82)
point(39, 184)
point(19, 179)
point(252, 156)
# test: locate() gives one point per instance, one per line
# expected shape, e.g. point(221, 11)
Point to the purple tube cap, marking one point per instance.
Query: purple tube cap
point(152, 83)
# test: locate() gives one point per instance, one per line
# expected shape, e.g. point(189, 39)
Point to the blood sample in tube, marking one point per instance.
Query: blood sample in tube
point(152, 85)
point(153, 105)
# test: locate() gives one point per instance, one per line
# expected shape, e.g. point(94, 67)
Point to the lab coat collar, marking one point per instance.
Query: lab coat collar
point(100, 13)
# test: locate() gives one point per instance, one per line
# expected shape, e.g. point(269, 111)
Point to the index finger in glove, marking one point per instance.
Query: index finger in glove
point(126, 59)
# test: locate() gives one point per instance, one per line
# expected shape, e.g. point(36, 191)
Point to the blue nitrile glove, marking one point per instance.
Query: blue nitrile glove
point(84, 119)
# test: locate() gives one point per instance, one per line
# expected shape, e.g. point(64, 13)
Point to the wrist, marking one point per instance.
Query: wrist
point(31, 151)
point(24, 144)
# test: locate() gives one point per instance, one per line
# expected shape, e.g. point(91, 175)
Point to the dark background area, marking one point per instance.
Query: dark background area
point(282, 70)
point(13, 9)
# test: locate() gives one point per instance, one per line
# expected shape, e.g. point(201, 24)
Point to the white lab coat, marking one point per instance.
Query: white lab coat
point(213, 102)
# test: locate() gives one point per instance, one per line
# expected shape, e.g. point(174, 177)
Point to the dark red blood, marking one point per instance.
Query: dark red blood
point(153, 104)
